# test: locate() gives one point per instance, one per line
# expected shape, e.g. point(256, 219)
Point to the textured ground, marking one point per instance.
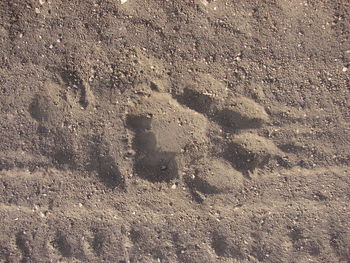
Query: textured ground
point(174, 131)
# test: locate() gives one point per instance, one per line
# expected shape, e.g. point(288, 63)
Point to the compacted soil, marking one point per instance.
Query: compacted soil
point(174, 131)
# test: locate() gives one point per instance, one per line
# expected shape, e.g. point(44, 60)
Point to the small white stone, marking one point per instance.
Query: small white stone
point(123, 1)
point(345, 69)
point(37, 10)
point(173, 186)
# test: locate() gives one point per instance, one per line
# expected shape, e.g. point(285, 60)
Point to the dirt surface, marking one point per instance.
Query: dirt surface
point(174, 131)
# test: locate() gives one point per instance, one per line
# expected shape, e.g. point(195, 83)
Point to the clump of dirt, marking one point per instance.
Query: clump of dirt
point(174, 131)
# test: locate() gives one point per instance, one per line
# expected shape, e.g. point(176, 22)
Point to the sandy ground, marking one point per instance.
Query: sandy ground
point(174, 131)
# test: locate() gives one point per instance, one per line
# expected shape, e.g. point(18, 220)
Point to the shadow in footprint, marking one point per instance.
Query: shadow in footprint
point(104, 164)
point(150, 163)
point(23, 243)
point(247, 152)
point(62, 245)
point(225, 247)
point(39, 108)
point(201, 185)
point(231, 119)
point(198, 186)
point(244, 161)
point(197, 101)
point(75, 83)
point(97, 242)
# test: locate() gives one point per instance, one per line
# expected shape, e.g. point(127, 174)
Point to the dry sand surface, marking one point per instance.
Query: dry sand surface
point(174, 131)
